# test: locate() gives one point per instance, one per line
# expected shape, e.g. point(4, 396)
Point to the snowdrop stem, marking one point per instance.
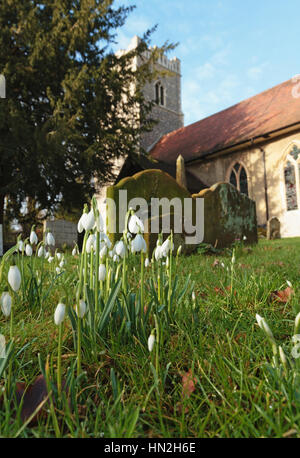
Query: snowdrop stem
point(170, 273)
point(157, 338)
point(97, 272)
point(59, 351)
point(11, 334)
point(142, 281)
point(78, 345)
point(124, 283)
point(91, 269)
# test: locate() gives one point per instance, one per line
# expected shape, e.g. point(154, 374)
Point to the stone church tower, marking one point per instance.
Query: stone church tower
point(166, 92)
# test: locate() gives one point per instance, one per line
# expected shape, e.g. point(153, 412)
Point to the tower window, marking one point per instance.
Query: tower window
point(238, 178)
point(159, 94)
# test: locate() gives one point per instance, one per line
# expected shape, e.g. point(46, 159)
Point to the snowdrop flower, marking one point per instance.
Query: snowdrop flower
point(50, 259)
point(193, 296)
point(14, 278)
point(41, 251)
point(89, 221)
point(110, 253)
point(5, 301)
point(82, 308)
point(33, 238)
point(57, 270)
point(81, 222)
point(166, 246)
point(120, 248)
point(21, 245)
point(289, 283)
point(47, 254)
point(58, 255)
point(116, 258)
point(265, 327)
point(103, 251)
point(138, 244)
point(282, 356)
point(99, 224)
point(135, 225)
point(244, 238)
point(147, 262)
point(104, 238)
point(158, 254)
point(297, 323)
point(59, 314)
point(151, 341)
point(28, 250)
point(179, 250)
point(91, 243)
point(62, 263)
point(74, 251)
point(50, 239)
point(102, 272)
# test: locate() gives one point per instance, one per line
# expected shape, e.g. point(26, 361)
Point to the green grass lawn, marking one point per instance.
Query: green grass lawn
point(124, 391)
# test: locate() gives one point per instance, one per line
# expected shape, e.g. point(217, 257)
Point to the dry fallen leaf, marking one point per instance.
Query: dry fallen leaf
point(188, 384)
point(283, 295)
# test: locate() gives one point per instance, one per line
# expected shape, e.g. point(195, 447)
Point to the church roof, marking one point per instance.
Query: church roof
point(267, 112)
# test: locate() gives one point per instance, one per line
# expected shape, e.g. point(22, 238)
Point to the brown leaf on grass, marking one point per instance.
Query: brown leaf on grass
point(283, 295)
point(216, 263)
point(33, 396)
point(188, 383)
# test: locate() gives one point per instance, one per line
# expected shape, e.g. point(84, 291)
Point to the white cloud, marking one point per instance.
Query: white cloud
point(255, 72)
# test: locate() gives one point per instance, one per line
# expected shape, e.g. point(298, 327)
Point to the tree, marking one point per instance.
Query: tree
point(70, 109)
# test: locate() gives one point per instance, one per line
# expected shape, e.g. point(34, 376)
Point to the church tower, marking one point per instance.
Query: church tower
point(165, 91)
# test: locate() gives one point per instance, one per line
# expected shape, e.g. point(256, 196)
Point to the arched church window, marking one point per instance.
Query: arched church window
point(290, 186)
point(238, 178)
point(159, 94)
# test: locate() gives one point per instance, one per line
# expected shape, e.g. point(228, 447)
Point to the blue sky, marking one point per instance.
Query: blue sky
point(229, 49)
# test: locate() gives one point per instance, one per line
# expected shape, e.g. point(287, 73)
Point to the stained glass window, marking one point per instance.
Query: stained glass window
point(243, 181)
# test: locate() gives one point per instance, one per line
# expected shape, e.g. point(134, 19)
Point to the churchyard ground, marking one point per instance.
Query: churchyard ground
point(211, 372)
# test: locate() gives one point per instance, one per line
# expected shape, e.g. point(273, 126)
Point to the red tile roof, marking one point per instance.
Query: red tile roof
point(269, 111)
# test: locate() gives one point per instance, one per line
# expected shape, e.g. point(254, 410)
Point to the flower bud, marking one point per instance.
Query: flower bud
point(28, 250)
point(59, 314)
point(102, 272)
point(50, 239)
point(151, 341)
point(5, 301)
point(14, 278)
point(82, 308)
point(33, 238)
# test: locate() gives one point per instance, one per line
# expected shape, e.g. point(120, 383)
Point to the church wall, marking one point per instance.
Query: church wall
point(219, 169)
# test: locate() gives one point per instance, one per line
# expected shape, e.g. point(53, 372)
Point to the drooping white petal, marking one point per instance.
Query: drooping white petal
point(102, 272)
point(151, 341)
point(138, 244)
point(59, 313)
point(28, 250)
point(41, 251)
point(33, 238)
point(120, 248)
point(14, 278)
point(50, 239)
point(135, 225)
point(82, 309)
point(6, 303)
point(89, 221)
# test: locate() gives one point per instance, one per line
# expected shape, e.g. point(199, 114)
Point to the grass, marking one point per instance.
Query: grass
point(124, 391)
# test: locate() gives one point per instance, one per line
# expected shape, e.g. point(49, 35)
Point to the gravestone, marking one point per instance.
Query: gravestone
point(273, 229)
point(228, 215)
point(64, 232)
point(147, 185)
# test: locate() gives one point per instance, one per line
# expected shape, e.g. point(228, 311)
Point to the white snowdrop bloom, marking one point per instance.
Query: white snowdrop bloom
point(82, 308)
point(58, 255)
point(135, 225)
point(57, 270)
point(14, 278)
point(5, 301)
point(282, 356)
point(50, 259)
point(138, 244)
point(74, 251)
point(259, 320)
point(104, 238)
point(81, 222)
point(111, 253)
point(102, 272)
point(91, 243)
point(28, 250)
point(33, 238)
point(120, 248)
point(89, 221)
point(21, 245)
point(116, 258)
point(62, 263)
point(47, 254)
point(59, 314)
point(193, 296)
point(244, 238)
point(147, 262)
point(50, 239)
point(99, 223)
point(41, 251)
point(289, 283)
point(222, 265)
point(103, 251)
point(151, 341)
point(158, 253)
